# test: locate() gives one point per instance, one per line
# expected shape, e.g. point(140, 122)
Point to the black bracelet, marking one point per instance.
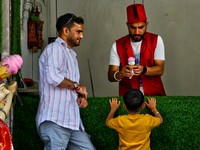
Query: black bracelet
point(81, 94)
point(144, 70)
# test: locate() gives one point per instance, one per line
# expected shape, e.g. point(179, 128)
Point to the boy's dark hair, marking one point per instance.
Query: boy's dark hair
point(133, 100)
point(68, 20)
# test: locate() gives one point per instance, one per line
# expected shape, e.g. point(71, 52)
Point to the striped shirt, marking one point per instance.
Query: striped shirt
point(58, 105)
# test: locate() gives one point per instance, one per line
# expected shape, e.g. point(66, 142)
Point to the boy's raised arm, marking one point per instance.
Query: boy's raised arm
point(114, 104)
point(152, 107)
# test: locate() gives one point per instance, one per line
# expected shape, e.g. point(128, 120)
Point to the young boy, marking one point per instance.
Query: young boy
point(134, 129)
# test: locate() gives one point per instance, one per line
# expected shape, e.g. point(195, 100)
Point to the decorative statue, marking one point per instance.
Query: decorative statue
point(9, 66)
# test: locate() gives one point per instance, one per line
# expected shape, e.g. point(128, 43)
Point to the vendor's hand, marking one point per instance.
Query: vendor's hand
point(114, 104)
point(82, 90)
point(138, 69)
point(82, 102)
point(152, 103)
point(126, 71)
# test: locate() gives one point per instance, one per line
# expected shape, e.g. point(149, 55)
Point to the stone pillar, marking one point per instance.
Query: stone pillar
point(6, 46)
point(6, 28)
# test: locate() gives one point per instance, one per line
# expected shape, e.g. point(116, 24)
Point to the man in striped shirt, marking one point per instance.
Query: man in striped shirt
point(58, 118)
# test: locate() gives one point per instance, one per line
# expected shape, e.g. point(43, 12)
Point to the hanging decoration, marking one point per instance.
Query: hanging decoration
point(28, 6)
point(35, 27)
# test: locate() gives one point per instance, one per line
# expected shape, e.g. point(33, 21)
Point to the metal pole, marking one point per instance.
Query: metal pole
point(90, 78)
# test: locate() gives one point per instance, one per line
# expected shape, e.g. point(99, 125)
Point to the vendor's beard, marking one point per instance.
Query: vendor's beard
point(137, 39)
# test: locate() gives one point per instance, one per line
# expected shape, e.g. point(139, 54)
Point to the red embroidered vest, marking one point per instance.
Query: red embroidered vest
point(152, 85)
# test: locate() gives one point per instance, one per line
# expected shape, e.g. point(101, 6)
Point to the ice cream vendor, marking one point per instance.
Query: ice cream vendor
point(148, 51)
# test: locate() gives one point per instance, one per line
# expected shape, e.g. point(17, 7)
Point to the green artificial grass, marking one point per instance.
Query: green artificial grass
point(180, 129)
point(16, 28)
point(16, 31)
point(25, 136)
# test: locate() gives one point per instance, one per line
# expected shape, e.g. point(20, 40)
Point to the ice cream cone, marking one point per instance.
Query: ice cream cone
point(131, 62)
point(131, 67)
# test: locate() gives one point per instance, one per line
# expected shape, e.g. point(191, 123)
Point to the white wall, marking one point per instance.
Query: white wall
point(105, 21)
point(178, 24)
point(30, 68)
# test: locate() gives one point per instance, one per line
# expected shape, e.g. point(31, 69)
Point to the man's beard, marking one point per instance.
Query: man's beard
point(137, 39)
point(73, 41)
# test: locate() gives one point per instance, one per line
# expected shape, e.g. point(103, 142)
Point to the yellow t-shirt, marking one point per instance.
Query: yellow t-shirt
point(134, 130)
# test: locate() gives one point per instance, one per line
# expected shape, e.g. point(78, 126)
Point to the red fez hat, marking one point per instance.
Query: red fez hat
point(136, 13)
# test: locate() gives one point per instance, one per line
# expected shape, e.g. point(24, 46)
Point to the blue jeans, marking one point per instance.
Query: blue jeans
point(56, 137)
